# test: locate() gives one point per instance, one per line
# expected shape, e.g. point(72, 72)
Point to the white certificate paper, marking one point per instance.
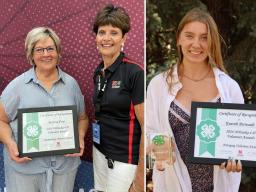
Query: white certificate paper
point(223, 131)
point(47, 131)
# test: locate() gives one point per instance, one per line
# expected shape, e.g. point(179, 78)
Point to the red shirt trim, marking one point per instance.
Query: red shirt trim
point(131, 130)
point(130, 61)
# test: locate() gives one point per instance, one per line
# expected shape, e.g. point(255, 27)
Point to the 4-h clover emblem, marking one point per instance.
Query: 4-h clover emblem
point(207, 131)
point(32, 131)
point(158, 140)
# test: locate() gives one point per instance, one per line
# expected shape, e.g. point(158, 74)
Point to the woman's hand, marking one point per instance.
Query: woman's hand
point(81, 143)
point(232, 165)
point(7, 140)
point(164, 154)
point(82, 129)
point(14, 153)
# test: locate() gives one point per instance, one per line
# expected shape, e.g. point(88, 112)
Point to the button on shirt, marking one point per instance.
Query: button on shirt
point(26, 91)
point(120, 130)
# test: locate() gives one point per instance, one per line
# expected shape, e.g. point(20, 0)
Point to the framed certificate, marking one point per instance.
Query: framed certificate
point(47, 131)
point(220, 131)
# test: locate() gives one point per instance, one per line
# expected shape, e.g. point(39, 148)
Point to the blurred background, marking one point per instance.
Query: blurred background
point(236, 20)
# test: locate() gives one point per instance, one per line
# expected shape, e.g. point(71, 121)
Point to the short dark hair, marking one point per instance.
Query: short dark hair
point(111, 15)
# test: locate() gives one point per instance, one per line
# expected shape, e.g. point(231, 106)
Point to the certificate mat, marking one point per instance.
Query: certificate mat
point(47, 131)
point(220, 131)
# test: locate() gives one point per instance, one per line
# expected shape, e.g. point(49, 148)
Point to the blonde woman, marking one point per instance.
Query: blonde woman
point(199, 75)
point(43, 85)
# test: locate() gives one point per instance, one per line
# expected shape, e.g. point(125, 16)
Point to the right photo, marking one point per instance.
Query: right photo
point(200, 96)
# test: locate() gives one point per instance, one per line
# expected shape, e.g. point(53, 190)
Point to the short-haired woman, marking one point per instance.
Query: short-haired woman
point(119, 108)
point(43, 85)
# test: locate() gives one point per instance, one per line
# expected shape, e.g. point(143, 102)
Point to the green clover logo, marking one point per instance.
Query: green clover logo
point(32, 130)
point(158, 140)
point(208, 130)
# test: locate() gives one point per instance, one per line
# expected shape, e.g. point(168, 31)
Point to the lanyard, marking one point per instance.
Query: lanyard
point(102, 84)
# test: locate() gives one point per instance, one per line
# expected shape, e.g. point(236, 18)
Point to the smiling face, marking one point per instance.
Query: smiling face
point(193, 40)
point(109, 40)
point(47, 59)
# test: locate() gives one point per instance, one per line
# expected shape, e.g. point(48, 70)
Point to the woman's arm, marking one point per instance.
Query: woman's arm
point(6, 138)
point(138, 182)
point(83, 123)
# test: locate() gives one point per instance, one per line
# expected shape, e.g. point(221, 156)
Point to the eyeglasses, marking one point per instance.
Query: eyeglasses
point(40, 51)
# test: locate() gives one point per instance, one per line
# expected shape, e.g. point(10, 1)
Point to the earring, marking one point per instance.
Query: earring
point(122, 47)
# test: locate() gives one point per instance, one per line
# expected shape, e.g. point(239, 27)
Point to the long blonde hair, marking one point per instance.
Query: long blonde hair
point(213, 38)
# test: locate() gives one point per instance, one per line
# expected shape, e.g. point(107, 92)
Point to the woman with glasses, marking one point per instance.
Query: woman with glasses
point(119, 108)
point(43, 85)
point(199, 75)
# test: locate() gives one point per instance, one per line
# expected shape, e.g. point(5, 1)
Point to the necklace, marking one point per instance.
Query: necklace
point(197, 80)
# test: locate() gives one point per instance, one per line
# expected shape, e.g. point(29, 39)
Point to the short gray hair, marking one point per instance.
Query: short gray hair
point(36, 35)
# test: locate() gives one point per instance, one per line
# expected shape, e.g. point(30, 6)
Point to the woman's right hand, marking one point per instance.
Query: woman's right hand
point(14, 153)
point(163, 157)
point(6, 138)
point(232, 165)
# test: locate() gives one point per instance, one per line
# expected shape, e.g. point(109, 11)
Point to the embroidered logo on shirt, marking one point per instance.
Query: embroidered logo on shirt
point(116, 84)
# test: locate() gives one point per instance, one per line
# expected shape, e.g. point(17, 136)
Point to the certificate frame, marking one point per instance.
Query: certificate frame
point(60, 119)
point(234, 128)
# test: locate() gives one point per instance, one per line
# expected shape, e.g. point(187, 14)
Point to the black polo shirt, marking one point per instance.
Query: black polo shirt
point(120, 130)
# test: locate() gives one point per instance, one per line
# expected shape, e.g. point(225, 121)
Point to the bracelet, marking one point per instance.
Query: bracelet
point(134, 187)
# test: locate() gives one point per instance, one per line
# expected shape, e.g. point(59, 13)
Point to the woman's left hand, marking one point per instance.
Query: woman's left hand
point(82, 129)
point(81, 142)
point(232, 165)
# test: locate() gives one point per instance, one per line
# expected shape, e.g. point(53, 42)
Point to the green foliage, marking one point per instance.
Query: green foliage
point(236, 21)
point(162, 20)
point(237, 24)
point(241, 60)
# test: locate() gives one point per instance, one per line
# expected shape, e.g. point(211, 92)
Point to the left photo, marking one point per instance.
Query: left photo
point(72, 96)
